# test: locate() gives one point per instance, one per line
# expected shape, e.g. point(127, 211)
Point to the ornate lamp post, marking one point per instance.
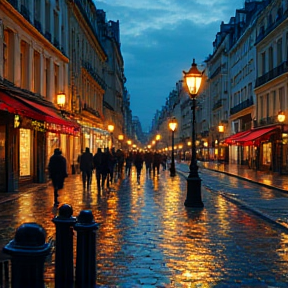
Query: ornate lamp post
point(221, 130)
point(172, 127)
point(193, 80)
point(281, 119)
point(111, 129)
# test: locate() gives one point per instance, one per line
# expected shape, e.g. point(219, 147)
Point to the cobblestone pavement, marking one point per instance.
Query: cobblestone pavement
point(148, 238)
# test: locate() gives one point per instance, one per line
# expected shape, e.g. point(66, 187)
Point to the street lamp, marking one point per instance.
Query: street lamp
point(221, 130)
point(281, 119)
point(172, 127)
point(193, 80)
point(111, 129)
point(157, 138)
point(120, 139)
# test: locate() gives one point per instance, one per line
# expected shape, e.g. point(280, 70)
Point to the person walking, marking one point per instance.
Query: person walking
point(86, 167)
point(148, 158)
point(138, 162)
point(156, 163)
point(128, 163)
point(57, 168)
point(97, 161)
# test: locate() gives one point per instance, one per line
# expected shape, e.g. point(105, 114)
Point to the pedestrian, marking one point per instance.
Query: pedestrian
point(120, 162)
point(138, 162)
point(105, 168)
point(57, 168)
point(164, 161)
point(148, 158)
point(86, 167)
point(128, 163)
point(156, 162)
point(112, 164)
point(97, 161)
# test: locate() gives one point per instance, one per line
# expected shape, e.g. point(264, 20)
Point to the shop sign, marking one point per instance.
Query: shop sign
point(38, 126)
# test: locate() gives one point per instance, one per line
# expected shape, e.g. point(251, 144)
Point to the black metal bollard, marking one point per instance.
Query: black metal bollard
point(28, 251)
point(64, 247)
point(86, 250)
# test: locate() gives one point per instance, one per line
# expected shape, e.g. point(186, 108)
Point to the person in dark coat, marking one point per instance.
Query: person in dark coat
point(105, 167)
point(97, 161)
point(86, 167)
point(156, 162)
point(57, 168)
point(138, 162)
point(148, 158)
point(128, 163)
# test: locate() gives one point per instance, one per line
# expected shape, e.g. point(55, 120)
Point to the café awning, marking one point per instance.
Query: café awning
point(255, 136)
point(36, 111)
point(231, 139)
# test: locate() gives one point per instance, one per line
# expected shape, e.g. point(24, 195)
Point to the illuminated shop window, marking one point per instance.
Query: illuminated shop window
point(25, 152)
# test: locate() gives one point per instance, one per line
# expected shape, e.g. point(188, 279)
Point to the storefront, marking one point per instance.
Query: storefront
point(29, 133)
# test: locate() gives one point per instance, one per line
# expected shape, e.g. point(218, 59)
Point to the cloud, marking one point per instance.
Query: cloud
point(159, 39)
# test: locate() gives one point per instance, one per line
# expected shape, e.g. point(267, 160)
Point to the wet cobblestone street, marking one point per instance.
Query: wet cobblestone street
point(148, 238)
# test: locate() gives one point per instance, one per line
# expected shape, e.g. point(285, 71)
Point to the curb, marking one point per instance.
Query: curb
point(241, 203)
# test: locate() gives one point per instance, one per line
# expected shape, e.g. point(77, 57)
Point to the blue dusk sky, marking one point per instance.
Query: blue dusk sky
point(159, 39)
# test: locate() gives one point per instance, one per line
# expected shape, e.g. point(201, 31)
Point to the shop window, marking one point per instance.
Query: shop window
point(25, 152)
point(267, 154)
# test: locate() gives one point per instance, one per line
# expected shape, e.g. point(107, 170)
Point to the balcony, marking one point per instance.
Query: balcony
point(218, 104)
point(281, 69)
point(243, 105)
point(266, 121)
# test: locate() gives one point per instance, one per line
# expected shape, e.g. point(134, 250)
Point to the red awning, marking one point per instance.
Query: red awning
point(49, 114)
point(23, 107)
point(255, 136)
point(12, 105)
point(231, 139)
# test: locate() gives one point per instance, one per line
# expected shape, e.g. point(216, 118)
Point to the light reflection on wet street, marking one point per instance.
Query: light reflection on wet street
point(147, 237)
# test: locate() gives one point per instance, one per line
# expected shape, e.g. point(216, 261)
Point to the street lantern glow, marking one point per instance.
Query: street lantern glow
point(281, 116)
point(193, 79)
point(173, 124)
point(221, 128)
point(158, 137)
point(129, 142)
point(110, 128)
point(120, 137)
point(61, 99)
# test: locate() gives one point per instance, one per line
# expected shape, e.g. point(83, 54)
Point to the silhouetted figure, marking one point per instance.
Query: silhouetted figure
point(86, 167)
point(128, 163)
point(57, 168)
point(156, 162)
point(148, 158)
point(97, 161)
point(138, 162)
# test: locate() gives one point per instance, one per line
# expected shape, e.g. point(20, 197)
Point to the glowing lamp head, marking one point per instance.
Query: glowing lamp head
point(110, 128)
point(61, 99)
point(173, 124)
point(193, 79)
point(281, 116)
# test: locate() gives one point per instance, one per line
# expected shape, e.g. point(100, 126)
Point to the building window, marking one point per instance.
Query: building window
point(279, 52)
point(37, 73)
point(267, 153)
point(24, 64)
point(281, 97)
point(25, 152)
point(270, 58)
point(47, 77)
point(56, 81)
point(263, 66)
point(8, 59)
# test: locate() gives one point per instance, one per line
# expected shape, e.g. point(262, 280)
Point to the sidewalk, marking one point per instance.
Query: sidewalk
point(272, 207)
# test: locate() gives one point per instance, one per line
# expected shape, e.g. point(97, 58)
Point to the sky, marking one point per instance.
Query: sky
point(159, 39)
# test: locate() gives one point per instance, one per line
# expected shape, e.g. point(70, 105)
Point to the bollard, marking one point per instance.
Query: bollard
point(64, 223)
point(86, 250)
point(28, 251)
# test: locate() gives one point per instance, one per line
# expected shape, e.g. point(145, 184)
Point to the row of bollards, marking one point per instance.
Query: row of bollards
point(29, 250)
